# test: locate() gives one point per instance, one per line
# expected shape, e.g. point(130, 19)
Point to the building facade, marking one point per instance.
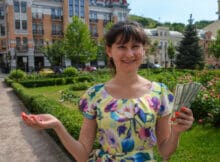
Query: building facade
point(207, 35)
point(28, 25)
point(163, 36)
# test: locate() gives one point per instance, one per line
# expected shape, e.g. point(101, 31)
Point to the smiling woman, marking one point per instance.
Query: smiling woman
point(129, 114)
point(125, 46)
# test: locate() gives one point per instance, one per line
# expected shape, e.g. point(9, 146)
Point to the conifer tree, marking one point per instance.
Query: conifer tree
point(190, 54)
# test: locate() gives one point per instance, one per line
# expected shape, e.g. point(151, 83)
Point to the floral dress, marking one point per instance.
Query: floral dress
point(126, 127)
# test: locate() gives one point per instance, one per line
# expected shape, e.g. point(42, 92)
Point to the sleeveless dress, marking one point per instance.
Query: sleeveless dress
point(126, 127)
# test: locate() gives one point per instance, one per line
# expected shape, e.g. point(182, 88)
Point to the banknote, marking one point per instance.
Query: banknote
point(184, 95)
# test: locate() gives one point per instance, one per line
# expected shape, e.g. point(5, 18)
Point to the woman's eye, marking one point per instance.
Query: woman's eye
point(121, 47)
point(136, 46)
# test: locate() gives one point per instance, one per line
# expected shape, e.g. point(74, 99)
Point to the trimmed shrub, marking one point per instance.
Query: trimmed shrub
point(70, 72)
point(17, 74)
point(8, 81)
point(79, 86)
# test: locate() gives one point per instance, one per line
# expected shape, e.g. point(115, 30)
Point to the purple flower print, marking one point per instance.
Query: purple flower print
point(101, 136)
point(136, 108)
point(151, 104)
point(121, 129)
point(156, 103)
point(170, 97)
point(111, 106)
point(152, 139)
point(143, 133)
point(104, 94)
point(112, 139)
point(83, 105)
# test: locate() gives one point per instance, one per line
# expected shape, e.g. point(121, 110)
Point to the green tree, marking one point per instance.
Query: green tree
point(101, 54)
point(214, 47)
point(146, 22)
point(203, 23)
point(190, 54)
point(171, 52)
point(79, 46)
point(54, 52)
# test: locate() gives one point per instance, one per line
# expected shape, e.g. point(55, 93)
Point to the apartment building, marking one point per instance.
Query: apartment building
point(163, 36)
point(28, 25)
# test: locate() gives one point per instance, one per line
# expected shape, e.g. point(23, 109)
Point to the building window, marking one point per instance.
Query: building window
point(1, 13)
point(18, 41)
point(70, 8)
point(165, 34)
point(16, 6)
point(3, 43)
point(82, 8)
point(23, 7)
point(82, 12)
point(2, 29)
point(93, 15)
point(24, 24)
point(25, 41)
point(17, 24)
point(56, 29)
point(76, 13)
point(56, 13)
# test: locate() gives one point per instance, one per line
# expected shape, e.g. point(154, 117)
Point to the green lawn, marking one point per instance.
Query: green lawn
point(54, 92)
point(200, 144)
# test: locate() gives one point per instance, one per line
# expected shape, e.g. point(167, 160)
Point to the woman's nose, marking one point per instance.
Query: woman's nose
point(129, 52)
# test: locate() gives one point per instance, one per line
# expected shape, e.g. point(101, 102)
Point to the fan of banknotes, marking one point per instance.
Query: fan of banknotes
point(185, 94)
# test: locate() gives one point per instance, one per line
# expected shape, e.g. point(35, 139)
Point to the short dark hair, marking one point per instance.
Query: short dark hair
point(127, 30)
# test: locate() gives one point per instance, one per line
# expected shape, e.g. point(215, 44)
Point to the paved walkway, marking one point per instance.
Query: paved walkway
point(19, 143)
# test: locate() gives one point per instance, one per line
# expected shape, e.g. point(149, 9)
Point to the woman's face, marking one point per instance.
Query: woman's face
point(127, 57)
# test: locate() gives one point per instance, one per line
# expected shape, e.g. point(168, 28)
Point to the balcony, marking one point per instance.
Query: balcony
point(105, 22)
point(21, 48)
point(56, 18)
point(38, 32)
point(93, 20)
point(57, 33)
point(37, 16)
point(38, 48)
point(94, 35)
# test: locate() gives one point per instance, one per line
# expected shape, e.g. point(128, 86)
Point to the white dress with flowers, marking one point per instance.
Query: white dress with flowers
point(126, 127)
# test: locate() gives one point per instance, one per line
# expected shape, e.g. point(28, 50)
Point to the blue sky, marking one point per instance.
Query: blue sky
point(175, 10)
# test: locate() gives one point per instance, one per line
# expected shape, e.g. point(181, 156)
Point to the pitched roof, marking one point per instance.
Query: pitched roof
point(213, 27)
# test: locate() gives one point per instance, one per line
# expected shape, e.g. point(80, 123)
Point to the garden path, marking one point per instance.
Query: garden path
point(18, 142)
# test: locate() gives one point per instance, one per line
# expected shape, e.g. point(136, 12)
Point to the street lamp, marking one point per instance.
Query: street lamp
point(25, 63)
point(165, 47)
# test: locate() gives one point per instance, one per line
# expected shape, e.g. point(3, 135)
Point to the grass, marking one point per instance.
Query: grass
point(53, 92)
point(200, 144)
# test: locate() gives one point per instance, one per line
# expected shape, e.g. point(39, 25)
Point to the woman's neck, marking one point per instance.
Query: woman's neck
point(126, 79)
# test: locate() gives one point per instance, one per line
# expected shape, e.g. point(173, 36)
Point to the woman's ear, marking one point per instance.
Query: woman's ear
point(108, 51)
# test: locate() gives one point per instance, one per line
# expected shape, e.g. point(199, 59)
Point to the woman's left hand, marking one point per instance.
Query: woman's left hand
point(184, 120)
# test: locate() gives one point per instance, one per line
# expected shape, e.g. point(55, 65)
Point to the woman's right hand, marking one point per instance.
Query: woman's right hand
point(40, 121)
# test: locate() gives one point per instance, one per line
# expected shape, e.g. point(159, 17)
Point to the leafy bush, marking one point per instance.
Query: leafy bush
point(79, 86)
point(71, 118)
point(70, 72)
point(71, 96)
point(83, 78)
point(8, 81)
point(207, 105)
point(17, 74)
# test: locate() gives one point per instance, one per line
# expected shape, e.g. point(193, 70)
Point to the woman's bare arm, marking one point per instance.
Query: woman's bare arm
point(79, 149)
